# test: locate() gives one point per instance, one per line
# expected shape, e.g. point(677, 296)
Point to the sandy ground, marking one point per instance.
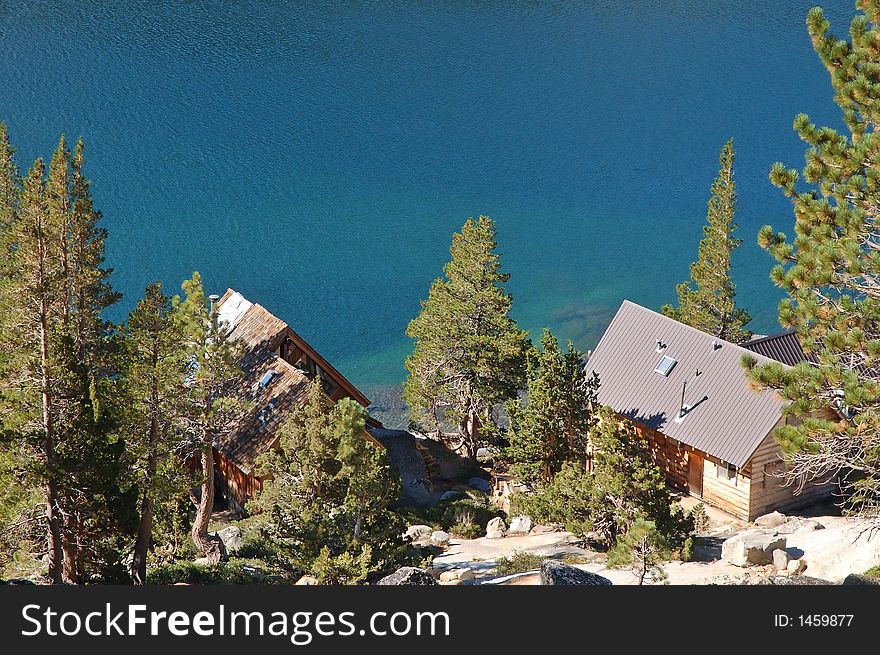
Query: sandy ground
point(844, 546)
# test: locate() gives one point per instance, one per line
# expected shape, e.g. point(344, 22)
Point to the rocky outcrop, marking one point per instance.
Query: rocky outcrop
point(797, 566)
point(520, 525)
point(753, 547)
point(496, 529)
point(456, 576)
point(771, 520)
point(781, 558)
point(307, 580)
point(440, 538)
point(557, 573)
point(408, 576)
point(232, 538)
point(855, 579)
point(480, 484)
point(419, 532)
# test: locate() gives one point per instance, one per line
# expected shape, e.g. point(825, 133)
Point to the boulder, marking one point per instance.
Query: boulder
point(753, 547)
point(479, 484)
point(799, 525)
point(232, 538)
point(771, 520)
point(452, 494)
point(495, 529)
point(799, 580)
point(483, 453)
point(781, 559)
point(520, 525)
point(856, 579)
point(307, 580)
point(557, 573)
point(419, 532)
point(440, 538)
point(456, 575)
point(797, 566)
point(408, 576)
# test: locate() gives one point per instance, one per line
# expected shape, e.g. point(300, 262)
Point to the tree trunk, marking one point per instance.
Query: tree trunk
point(138, 567)
point(53, 532)
point(210, 546)
point(470, 432)
point(69, 573)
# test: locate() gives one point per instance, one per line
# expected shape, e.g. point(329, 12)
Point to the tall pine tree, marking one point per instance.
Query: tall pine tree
point(469, 354)
point(706, 301)
point(830, 271)
point(213, 365)
point(554, 425)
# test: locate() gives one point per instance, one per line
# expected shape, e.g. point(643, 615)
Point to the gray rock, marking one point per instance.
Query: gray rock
point(440, 538)
point(520, 525)
point(419, 532)
point(483, 453)
point(780, 580)
point(771, 520)
point(752, 547)
point(307, 580)
point(232, 538)
point(457, 575)
point(799, 525)
point(496, 529)
point(408, 576)
point(557, 573)
point(856, 579)
point(797, 566)
point(479, 484)
point(781, 559)
point(452, 494)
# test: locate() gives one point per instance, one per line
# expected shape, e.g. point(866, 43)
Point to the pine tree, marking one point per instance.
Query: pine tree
point(155, 370)
point(706, 301)
point(643, 549)
point(469, 355)
point(553, 427)
point(830, 271)
point(213, 361)
point(327, 491)
point(10, 185)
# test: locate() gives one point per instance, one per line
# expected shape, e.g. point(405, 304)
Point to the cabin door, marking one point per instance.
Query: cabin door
point(695, 473)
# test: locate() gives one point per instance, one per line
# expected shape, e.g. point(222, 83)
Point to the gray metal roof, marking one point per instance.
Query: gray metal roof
point(728, 418)
point(784, 347)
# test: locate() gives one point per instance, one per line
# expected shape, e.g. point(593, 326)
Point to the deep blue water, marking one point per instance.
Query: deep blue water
point(318, 158)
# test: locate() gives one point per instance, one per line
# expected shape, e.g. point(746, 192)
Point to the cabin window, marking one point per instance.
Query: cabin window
point(725, 470)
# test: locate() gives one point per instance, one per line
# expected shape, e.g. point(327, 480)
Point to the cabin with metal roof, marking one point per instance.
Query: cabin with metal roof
point(687, 393)
point(278, 366)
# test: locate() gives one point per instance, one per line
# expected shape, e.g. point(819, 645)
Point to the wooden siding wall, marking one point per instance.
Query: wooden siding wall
point(235, 485)
point(731, 495)
point(768, 490)
point(670, 455)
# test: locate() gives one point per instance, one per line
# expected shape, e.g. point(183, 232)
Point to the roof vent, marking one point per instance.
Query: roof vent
point(267, 378)
point(715, 345)
point(665, 365)
point(660, 346)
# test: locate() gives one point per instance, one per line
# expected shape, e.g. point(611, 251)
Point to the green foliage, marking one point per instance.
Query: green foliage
point(643, 550)
point(327, 491)
point(873, 572)
point(518, 562)
point(829, 270)
point(687, 550)
point(235, 572)
point(465, 530)
point(475, 510)
point(706, 301)
point(699, 517)
point(624, 485)
point(469, 355)
point(554, 425)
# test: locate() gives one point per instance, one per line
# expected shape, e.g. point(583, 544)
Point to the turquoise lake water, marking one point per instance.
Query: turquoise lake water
point(318, 158)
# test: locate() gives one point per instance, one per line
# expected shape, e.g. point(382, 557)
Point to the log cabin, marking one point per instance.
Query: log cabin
point(709, 429)
point(278, 366)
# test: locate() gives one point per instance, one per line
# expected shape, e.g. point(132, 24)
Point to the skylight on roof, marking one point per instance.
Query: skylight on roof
point(665, 365)
point(267, 378)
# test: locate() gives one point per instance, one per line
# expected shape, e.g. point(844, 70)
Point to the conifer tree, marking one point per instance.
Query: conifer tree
point(327, 493)
point(706, 301)
point(10, 185)
point(554, 426)
point(643, 550)
point(155, 370)
point(830, 271)
point(469, 355)
point(213, 361)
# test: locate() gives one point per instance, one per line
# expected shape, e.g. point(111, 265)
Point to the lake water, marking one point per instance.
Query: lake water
point(318, 158)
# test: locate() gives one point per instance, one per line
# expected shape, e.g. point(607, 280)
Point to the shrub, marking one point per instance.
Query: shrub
point(475, 508)
point(700, 517)
point(687, 550)
point(518, 562)
point(873, 572)
point(466, 530)
point(232, 572)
